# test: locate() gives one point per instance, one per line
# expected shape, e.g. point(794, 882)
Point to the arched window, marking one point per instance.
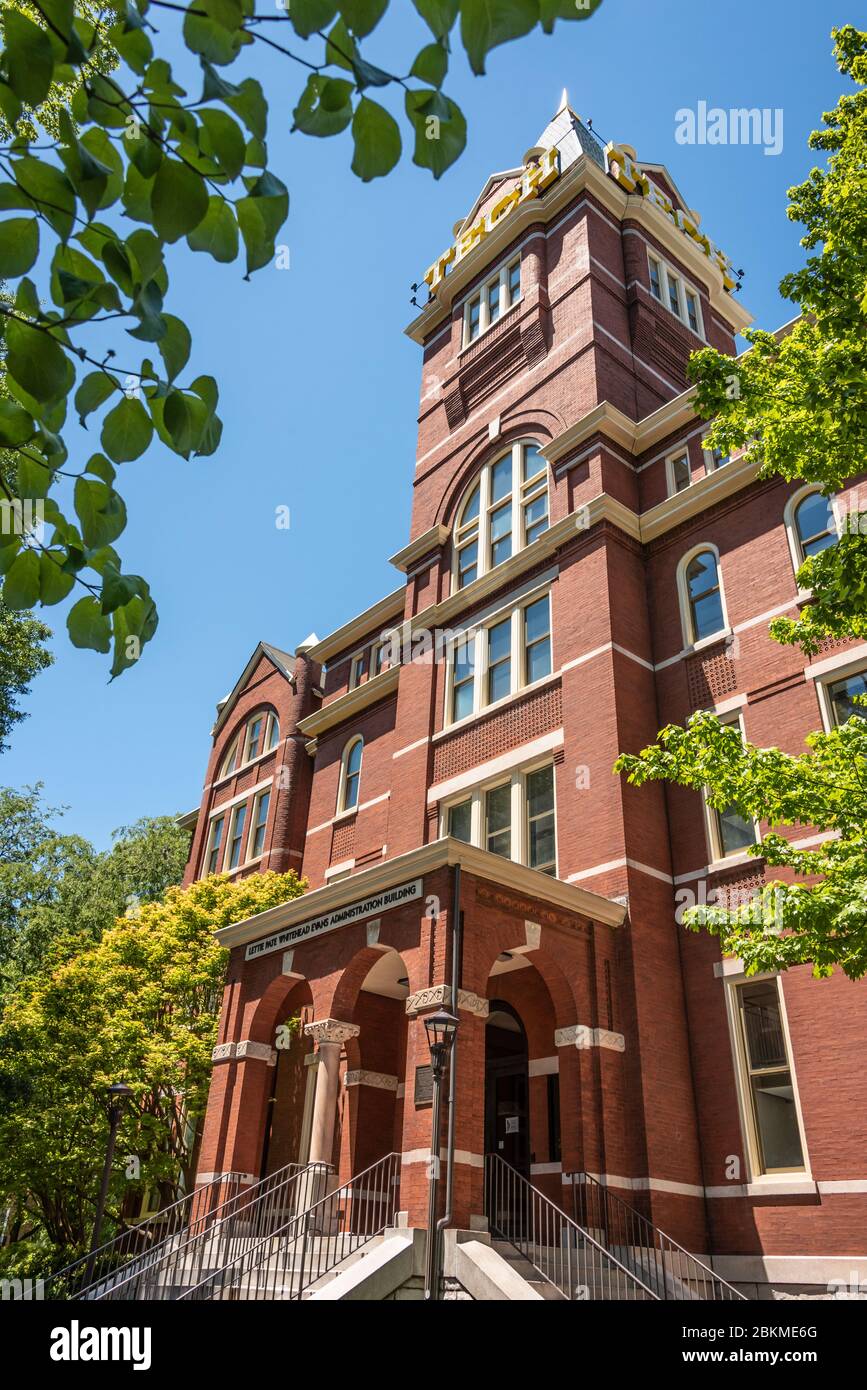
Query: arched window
point(812, 526)
point(701, 595)
point(505, 508)
point(350, 774)
point(258, 736)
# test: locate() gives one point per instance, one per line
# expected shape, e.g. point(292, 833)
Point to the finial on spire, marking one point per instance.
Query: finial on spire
point(564, 102)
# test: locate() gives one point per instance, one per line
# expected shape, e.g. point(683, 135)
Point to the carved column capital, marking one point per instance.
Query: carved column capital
point(331, 1030)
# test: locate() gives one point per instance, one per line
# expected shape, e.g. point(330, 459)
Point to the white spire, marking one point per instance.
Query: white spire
point(564, 102)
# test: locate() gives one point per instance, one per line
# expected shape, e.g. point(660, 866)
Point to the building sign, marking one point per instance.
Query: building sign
point(626, 173)
point(423, 1094)
point(341, 917)
point(536, 177)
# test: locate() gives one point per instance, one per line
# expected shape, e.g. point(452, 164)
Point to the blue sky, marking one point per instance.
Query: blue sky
point(319, 385)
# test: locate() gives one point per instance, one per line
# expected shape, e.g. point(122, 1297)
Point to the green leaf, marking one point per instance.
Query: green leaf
point(340, 47)
point(50, 190)
point(377, 140)
point(117, 588)
point(126, 432)
point(260, 217)
point(217, 233)
point(54, 582)
point(325, 107)
point(309, 15)
point(438, 15)
point(100, 510)
point(431, 65)
point(21, 585)
point(99, 465)
point(487, 23)
point(185, 416)
point(216, 35)
point(37, 362)
point(175, 346)
point(133, 625)
point(249, 103)
point(93, 391)
point(88, 626)
point(28, 56)
point(438, 140)
point(366, 75)
point(16, 424)
point(226, 141)
point(34, 478)
point(19, 246)
point(362, 16)
point(179, 200)
point(137, 194)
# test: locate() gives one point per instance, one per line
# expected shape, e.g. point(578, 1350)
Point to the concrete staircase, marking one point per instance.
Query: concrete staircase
point(528, 1272)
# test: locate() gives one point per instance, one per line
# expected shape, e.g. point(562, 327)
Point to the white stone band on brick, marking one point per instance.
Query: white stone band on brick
point(246, 1050)
point(440, 997)
point(378, 1079)
point(331, 1030)
point(581, 1036)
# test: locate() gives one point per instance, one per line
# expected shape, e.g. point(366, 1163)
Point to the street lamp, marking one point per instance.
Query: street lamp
point(440, 1028)
point(117, 1094)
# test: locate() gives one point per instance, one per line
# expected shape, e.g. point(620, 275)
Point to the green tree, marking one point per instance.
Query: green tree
point(140, 1004)
point(23, 655)
point(136, 146)
point(796, 403)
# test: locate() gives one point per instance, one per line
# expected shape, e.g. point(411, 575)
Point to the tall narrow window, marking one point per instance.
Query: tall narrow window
point(236, 841)
point(273, 732)
point(541, 852)
point(498, 820)
point(534, 493)
point(215, 844)
point(843, 695)
point(489, 302)
point(679, 473)
point(674, 294)
point(500, 517)
point(254, 737)
point(692, 311)
point(814, 523)
point(230, 762)
point(493, 293)
point(537, 640)
point(655, 279)
point(514, 282)
point(771, 1091)
point(359, 670)
point(704, 596)
point(350, 778)
point(467, 539)
point(259, 826)
point(734, 831)
point(474, 318)
point(499, 660)
point(462, 679)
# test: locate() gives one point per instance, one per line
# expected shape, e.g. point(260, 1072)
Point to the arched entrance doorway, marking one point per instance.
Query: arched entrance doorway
point(507, 1087)
point(289, 1109)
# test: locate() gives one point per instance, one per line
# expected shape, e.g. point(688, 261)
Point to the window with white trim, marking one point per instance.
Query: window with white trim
point(701, 595)
point(767, 1079)
point(259, 735)
point(350, 774)
point(483, 309)
point(729, 832)
point(259, 824)
point(512, 816)
point(845, 695)
point(678, 472)
point(670, 289)
point(215, 844)
point(504, 509)
point(236, 835)
point(814, 524)
point(500, 657)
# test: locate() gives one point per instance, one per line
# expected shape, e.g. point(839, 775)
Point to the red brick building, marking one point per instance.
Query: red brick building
point(580, 572)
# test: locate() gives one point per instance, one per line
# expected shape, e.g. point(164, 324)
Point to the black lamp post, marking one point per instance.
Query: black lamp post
point(440, 1028)
point(117, 1094)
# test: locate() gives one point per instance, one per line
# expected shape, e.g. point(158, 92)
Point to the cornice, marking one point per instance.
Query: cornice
point(583, 176)
point(431, 540)
point(439, 854)
point(604, 418)
point(353, 702)
point(706, 492)
point(360, 626)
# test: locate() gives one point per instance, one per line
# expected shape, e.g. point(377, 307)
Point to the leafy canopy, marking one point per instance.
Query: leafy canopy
point(136, 146)
point(800, 411)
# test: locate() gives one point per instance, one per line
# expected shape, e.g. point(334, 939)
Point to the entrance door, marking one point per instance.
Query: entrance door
point(507, 1114)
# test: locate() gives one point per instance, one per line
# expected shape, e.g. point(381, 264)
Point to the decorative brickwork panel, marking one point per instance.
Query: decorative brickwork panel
point(735, 889)
point(832, 644)
point(521, 722)
point(710, 678)
point(342, 840)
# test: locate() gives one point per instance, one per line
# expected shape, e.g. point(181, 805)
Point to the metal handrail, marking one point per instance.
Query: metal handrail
point(672, 1271)
point(140, 1238)
point(290, 1259)
point(555, 1245)
point(210, 1234)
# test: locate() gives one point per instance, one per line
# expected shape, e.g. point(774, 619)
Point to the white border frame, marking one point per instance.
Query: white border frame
point(501, 274)
point(477, 636)
point(690, 641)
point(342, 808)
point(791, 527)
point(667, 274)
point(516, 778)
point(671, 488)
point(522, 493)
point(715, 851)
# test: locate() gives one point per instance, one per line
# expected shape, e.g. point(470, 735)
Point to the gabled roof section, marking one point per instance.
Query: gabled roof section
point(661, 169)
point(493, 184)
point(280, 660)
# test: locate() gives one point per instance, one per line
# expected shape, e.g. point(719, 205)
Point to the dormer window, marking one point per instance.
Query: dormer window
point(505, 509)
point(492, 300)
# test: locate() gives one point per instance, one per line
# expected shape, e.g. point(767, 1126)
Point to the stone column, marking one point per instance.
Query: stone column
point(329, 1035)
